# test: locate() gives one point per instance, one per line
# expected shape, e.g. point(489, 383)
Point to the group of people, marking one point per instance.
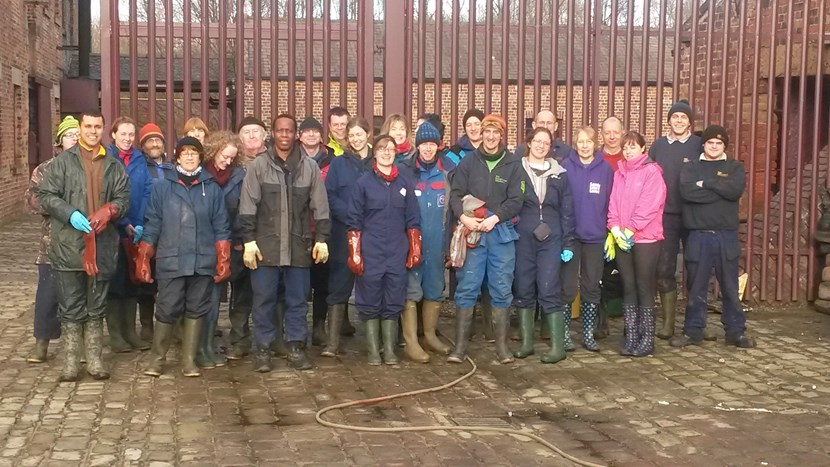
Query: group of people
point(273, 221)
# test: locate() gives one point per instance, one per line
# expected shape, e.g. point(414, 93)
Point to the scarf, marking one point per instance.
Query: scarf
point(221, 176)
point(389, 178)
point(492, 157)
point(188, 178)
point(125, 156)
point(404, 148)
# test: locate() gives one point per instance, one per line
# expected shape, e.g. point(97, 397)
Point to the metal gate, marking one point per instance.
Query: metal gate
point(758, 67)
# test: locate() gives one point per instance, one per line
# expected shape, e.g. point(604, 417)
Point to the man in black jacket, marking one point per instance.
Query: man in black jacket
point(711, 189)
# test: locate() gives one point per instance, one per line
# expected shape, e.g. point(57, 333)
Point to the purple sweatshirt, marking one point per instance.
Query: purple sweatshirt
point(591, 189)
point(638, 198)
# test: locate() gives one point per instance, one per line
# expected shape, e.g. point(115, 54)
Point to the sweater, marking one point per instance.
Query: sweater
point(672, 157)
point(714, 205)
point(590, 189)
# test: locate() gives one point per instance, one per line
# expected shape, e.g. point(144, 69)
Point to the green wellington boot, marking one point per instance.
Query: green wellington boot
point(389, 330)
point(162, 335)
point(526, 325)
point(191, 330)
point(373, 341)
point(668, 306)
point(556, 325)
point(71, 334)
point(94, 343)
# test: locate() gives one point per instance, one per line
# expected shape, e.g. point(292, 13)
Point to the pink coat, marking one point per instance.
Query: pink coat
point(637, 199)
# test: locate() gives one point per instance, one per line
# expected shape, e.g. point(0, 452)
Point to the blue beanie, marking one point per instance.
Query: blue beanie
point(427, 133)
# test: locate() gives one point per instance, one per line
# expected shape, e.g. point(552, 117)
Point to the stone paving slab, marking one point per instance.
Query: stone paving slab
point(708, 405)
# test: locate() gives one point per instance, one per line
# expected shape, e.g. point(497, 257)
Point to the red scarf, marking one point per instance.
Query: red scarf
point(389, 178)
point(221, 176)
point(125, 156)
point(404, 147)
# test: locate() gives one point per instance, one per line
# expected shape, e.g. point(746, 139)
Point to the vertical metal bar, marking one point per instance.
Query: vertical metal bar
point(816, 154)
point(396, 56)
point(256, 18)
point(439, 42)
point(802, 103)
point(569, 70)
point(151, 60)
point(275, 59)
point(693, 54)
point(325, 83)
point(537, 59)
point(133, 60)
point(725, 59)
point(782, 165)
point(187, 74)
point(597, 23)
point(291, 13)
point(678, 24)
point(309, 58)
point(456, 26)
point(344, 60)
point(107, 66)
point(169, 78)
point(612, 60)
point(520, 75)
point(768, 151)
point(204, 87)
point(488, 60)
point(587, 79)
point(366, 53)
point(661, 69)
point(422, 61)
point(708, 80)
point(505, 46)
point(409, 48)
point(239, 61)
point(554, 59)
point(644, 48)
point(223, 69)
point(629, 53)
point(753, 133)
point(116, 57)
point(471, 59)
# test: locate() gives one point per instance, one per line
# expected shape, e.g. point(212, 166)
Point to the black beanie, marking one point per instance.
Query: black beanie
point(472, 113)
point(715, 132)
point(251, 120)
point(310, 123)
point(193, 142)
point(682, 106)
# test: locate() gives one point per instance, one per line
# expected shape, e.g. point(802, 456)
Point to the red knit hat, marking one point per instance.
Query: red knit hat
point(148, 131)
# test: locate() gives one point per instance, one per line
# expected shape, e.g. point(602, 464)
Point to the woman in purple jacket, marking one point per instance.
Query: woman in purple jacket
point(590, 179)
point(635, 218)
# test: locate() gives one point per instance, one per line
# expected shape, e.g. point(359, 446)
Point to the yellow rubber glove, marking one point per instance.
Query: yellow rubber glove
point(320, 253)
point(251, 255)
point(608, 248)
point(623, 242)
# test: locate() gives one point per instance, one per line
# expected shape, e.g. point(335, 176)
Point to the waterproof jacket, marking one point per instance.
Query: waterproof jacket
point(591, 191)
point(62, 192)
point(637, 199)
point(184, 223)
point(460, 149)
point(342, 175)
point(323, 159)
point(277, 203)
point(501, 189)
point(34, 208)
point(231, 193)
point(556, 209)
point(140, 186)
point(432, 189)
point(157, 171)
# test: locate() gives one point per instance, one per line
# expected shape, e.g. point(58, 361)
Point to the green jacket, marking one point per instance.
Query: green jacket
point(62, 192)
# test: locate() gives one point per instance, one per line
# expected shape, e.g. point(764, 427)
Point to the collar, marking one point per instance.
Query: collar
point(704, 159)
point(101, 150)
point(681, 140)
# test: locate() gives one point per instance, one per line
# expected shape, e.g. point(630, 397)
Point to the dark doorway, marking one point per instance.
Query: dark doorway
point(40, 123)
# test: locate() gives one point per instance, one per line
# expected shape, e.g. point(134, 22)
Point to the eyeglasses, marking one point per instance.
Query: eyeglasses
point(72, 134)
point(189, 154)
point(540, 142)
point(385, 150)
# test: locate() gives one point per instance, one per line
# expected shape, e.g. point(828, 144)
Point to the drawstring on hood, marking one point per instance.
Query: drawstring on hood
point(539, 175)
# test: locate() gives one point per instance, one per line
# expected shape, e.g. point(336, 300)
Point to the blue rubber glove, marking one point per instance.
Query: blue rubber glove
point(80, 222)
point(566, 255)
point(139, 230)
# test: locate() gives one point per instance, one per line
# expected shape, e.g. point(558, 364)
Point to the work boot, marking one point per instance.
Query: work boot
point(71, 334)
point(588, 312)
point(128, 326)
point(742, 341)
point(569, 344)
point(556, 325)
point(501, 324)
point(115, 327)
point(631, 329)
point(602, 330)
point(709, 335)
point(373, 341)
point(389, 330)
point(145, 316)
point(38, 354)
point(238, 352)
point(278, 346)
point(297, 357)
point(648, 317)
point(191, 329)
point(347, 328)
point(668, 305)
point(335, 318)
point(430, 312)
point(463, 324)
point(683, 340)
point(527, 328)
point(262, 361)
point(94, 343)
point(162, 335)
point(487, 318)
point(409, 323)
point(318, 333)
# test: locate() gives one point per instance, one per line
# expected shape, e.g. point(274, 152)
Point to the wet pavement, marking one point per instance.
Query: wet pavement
point(709, 405)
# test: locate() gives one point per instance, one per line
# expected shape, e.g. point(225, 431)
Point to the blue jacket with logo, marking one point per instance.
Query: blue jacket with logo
point(591, 191)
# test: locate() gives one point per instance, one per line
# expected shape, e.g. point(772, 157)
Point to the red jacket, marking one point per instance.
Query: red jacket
point(637, 199)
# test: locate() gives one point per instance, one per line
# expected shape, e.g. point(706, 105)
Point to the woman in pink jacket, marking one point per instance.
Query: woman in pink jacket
point(635, 218)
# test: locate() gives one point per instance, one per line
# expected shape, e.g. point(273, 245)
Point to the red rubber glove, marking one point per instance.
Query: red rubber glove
point(131, 250)
point(142, 263)
point(355, 261)
point(223, 261)
point(414, 257)
point(89, 261)
point(102, 217)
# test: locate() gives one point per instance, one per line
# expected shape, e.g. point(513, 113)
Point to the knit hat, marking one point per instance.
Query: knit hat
point(427, 134)
point(68, 123)
point(310, 123)
point(715, 132)
point(471, 113)
point(682, 106)
point(494, 120)
point(150, 130)
point(251, 120)
point(190, 141)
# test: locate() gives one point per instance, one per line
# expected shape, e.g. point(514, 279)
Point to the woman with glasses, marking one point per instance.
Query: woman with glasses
point(187, 231)
point(546, 233)
point(384, 238)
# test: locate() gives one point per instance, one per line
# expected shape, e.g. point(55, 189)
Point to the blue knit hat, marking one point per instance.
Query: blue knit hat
point(426, 134)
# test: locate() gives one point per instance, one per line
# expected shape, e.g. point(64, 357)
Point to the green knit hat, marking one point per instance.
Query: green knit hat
point(68, 123)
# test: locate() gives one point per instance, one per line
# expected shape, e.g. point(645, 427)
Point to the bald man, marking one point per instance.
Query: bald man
point(612, 131)
point(558, 150)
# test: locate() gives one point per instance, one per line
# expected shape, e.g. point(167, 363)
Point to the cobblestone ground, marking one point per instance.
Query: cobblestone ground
point(709, 405)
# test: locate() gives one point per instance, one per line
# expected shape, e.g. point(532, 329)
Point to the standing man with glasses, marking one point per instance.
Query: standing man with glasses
point(558, 150)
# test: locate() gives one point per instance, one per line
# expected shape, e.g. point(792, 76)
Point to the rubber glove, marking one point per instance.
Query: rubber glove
point(251, 255)
point(223, 261)
point(566, 255)
point(90, 259)
point(80, 222)
point(620, 238)
point(102, 217)
point(143, 271)
point(139, 231)
point(414, 256)
point(608, 248)
point(355, 260)
point(320, 252)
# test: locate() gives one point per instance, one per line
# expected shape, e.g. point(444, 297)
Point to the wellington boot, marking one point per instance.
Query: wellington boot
point(191, 330)
point(556, 324)
point(588, 311)
point(278, 346)
point(602, 329)
point(162, 335)
point(262, 361)
point(648, 319)
point(487, 318)
point(128, 326)
point(389, 330)
point(94, 343)
point(631, 329)
point(463, 325)
point(145, 316)
point(501, 325)
point(569, 344)
point(297, 357)
point(409, 323)
point(668, 305)
point(526, 325)
point(335, 318)
point(347, 328)
point(430, 312)
point(206, 357)
point(38, 354)
point(71, 335)
point(318, 333)
point(115, 328)
point(373, 342)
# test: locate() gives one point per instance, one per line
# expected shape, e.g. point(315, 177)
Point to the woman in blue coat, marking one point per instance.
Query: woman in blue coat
point(430, 173)
point(122, 297)
point(187, 231)
point(546, 230)
point(384, 239)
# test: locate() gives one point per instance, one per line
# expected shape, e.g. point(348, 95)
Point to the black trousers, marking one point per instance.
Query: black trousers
point(319, 291)
point(583, 273)
point(638, 269)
